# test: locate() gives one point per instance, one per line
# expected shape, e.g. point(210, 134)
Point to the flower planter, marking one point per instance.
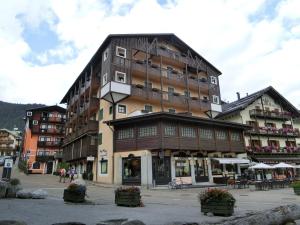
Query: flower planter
point(297, 190)
point(74, 196)
point(130, 199)
point(220, 208)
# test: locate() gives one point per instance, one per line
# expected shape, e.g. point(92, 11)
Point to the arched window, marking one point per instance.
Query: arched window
point(36, 165)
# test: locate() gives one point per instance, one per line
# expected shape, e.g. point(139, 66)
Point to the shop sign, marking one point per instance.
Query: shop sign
point(90, 158)
point(102, 153)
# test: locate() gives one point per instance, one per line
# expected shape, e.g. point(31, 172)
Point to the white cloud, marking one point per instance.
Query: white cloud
point(251, 55)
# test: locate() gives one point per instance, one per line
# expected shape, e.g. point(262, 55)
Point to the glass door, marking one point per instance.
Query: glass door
point(161, 170)
point(201, 174)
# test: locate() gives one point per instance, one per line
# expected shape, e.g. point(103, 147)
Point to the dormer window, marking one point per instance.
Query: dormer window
point(120, 77)
point(121, 52)
point(215, 99)
point(104, 79)
point(29, 113)
point(214, 80)
point(105, 55)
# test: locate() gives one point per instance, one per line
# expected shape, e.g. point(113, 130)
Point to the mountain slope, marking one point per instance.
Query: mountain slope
point(11, 114)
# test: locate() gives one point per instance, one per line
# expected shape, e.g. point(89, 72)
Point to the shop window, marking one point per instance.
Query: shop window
point(100, 139)
point(103, 166)
point(221, 135)
point(148, 108)
point(206, 133)
point(147, 131)
point(216, 167)
point(104, 79)
point(100, 114)
point(235, 136)
point(214, 80)
point(110, 110)
point(121, 52)
point(132, 168)
point(125, 133)
point(122, 109)
point(170, 130)
point(105, 54)
point(216, 99)
point(188, 132)
point(36, 165)
point(120, 77)
point(182, 168)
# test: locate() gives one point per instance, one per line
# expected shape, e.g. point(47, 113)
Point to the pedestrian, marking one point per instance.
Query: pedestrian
point(14, 159)
point(72, 173)
point(62, 175)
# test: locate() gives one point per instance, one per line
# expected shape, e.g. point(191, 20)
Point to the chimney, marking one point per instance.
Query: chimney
point(238, 95)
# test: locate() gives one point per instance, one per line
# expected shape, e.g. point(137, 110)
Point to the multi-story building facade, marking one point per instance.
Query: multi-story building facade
point(274, 136)
point(82, 126)
point(43, 138)
point(9, 142)
point(157, 101)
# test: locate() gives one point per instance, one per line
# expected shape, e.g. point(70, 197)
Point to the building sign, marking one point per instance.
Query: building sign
point(8, 163)
point(90, 158)
point(102, 153)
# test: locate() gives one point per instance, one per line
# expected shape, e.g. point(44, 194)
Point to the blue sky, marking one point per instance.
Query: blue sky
point(46, 44)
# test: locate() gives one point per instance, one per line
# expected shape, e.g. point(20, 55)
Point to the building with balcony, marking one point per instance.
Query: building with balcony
point(9, 142)
point(82, 126)
point(43, 138)
point(274, 136)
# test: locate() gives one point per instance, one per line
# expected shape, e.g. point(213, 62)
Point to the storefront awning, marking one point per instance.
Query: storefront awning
point(232, 160)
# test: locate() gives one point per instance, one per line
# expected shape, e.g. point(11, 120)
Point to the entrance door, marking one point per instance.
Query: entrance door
point(49, 167)
point(89, 170)
point(131, 171)
point(161, 170)
point(201, 174)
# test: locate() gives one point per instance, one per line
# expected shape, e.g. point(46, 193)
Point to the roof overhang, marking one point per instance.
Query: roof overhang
point(232, 160)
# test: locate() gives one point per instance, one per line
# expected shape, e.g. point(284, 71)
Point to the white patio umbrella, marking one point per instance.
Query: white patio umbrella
point(261, 166)
point(282, 165)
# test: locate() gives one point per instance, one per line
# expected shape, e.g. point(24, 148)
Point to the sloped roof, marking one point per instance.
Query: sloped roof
point(14, 133)
point(102, 47)
point(49, 109)
point(241, 104)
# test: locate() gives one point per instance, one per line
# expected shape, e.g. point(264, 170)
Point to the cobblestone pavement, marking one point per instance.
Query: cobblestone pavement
point(161, 206)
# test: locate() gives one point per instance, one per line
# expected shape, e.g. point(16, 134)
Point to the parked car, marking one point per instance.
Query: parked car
point(2, 159)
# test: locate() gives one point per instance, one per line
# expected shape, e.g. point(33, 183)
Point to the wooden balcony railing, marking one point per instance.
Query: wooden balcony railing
point(49, 143)
point(272, 131)
point(273, 150)
point(90, 126)
point(270, 114)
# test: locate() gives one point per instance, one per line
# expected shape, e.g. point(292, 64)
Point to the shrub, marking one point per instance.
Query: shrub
point(215, 194)
point(14, 181)
point(295, 184)
point(128, 189)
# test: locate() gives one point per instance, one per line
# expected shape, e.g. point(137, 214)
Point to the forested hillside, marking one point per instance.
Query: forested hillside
point(11, 114)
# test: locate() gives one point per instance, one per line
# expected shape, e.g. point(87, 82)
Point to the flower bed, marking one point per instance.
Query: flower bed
point(217, 201)
point(128, 196)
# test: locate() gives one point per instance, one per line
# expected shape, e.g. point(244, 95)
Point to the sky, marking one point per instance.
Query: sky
point(44, 45)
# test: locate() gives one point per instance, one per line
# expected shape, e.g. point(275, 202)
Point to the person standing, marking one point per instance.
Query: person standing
point(72, 173)
point(62, 175)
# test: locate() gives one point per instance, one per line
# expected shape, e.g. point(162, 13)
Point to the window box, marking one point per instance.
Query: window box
point(154, 66)
point(139, 62)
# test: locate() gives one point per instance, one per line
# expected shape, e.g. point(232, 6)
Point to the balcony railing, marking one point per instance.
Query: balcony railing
point(44, 156)
point(273, 150)
point(49, 143)
point(6, 142)
point(9, 148)
point(90, 126)
point(49, 130)
point(272, 131)
point(270, 114)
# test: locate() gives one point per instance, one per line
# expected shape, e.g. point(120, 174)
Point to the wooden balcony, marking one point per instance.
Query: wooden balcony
point(52, 131)
point(6, 142)
point(53, 119)
point(270, 114)
point(7, 148)
point(274, 132)
point(171, 55)
point(44, 156)
point(55, 144)
point(90, 126)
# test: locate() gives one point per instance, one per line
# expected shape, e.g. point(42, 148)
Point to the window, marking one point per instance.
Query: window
point(206, 133)
point(215, 99)
point(104, 79)
point(131, 169)
point(29, 113)
point(214, 80)
point(36, 165)
point(125, 133)
point(122, 109)
point(172, 111)
point(171, 90)
point(188, 132)
point(147, 131)
point(103, 166)
point(110, 109)
point(170, 130)
point(93, 140)
point(35, 122)
point(148, 84)
point(187, 93)
point(235, 136)
point(100, 139)
point(121, 52)
point(105, 55)
point(100, 114)
point(148, 108)
point(120, 77)
point(182, 168)
point(221, 135)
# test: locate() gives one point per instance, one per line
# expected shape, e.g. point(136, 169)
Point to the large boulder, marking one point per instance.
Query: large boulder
point(3, 188)
point(39, 194)
point(24, 194)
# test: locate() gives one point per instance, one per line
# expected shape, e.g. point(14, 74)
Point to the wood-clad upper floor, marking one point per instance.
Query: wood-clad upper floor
point(177, 132)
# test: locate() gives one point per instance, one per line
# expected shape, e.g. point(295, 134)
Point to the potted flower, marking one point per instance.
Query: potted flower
point(75, 193)
point(128, 196)
point(296, 186)
point(13, 187)
point(217, 201)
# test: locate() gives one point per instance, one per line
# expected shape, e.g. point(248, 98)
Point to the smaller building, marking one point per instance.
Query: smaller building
point(9, 142)
point(43, 138)
point(274, 136)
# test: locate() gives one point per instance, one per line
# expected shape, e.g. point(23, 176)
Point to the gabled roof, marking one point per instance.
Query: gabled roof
point(48, 109)
point(14, 133)
point(98, 54)
point(241, 104)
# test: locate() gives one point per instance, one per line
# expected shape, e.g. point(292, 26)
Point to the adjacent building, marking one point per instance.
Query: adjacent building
point(154, 116)
point(43, 138)
point(274, 136)
point(9, 142)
